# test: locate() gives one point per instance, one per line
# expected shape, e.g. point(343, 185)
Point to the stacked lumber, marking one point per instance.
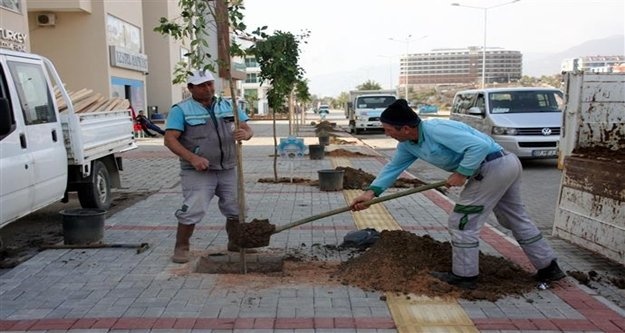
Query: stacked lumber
point(85, 100)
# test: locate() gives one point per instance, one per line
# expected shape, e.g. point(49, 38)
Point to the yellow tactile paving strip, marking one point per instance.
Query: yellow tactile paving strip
point(413, 314)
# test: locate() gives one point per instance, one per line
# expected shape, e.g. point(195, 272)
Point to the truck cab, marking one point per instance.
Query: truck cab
point(367, 110)
point(33, 159)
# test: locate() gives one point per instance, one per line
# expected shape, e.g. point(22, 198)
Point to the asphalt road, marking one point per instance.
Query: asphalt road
point(540, 180)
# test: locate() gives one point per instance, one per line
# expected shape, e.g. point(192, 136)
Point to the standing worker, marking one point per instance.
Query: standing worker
point(491, 180)
point(201, 132)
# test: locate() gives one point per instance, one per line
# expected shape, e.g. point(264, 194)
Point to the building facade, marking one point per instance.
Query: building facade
point(254, 92)
point(109, 47)
point(595, 64)
point(459, 66)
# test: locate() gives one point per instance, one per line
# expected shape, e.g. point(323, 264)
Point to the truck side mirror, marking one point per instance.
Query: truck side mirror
point(6, 118)
point(476, 111)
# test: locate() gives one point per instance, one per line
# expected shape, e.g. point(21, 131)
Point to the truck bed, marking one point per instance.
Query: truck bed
point(96, 134)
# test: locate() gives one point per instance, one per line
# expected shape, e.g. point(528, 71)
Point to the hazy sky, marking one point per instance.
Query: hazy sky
point(354, 34)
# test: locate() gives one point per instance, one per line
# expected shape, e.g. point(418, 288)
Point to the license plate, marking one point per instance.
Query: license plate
point(545, 153)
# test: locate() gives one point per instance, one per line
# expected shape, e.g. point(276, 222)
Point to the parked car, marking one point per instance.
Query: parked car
point(525, 121)
point(427, 108)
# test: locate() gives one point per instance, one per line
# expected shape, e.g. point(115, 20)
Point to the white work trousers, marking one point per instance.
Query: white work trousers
point(199, 188)
point(495, 187)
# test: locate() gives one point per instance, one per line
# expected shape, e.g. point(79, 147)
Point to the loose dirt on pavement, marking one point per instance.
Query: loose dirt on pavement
point(23, 238)
point(353, 179)
point(399, 262)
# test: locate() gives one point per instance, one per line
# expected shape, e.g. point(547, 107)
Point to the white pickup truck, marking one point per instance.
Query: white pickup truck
point(46, 153)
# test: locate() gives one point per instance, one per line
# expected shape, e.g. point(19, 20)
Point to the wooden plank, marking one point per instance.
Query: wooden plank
point(84, 104)
point(97, 105)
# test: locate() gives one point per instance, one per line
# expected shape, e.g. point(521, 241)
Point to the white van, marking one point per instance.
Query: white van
point(525, 121)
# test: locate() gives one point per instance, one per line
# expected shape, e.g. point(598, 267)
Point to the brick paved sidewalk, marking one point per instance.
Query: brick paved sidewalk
point(117, 290)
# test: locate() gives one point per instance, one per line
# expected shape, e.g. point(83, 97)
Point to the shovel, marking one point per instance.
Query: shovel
point(258, 232)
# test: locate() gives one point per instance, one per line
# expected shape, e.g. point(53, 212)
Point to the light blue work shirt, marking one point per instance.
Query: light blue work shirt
point(450, 145)
point(221, 108)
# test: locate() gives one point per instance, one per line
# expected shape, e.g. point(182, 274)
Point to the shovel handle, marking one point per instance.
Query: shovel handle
point(370, 202)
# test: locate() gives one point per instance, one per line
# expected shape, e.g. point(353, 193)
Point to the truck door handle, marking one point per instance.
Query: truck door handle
point(23, 141)
point(54, 135)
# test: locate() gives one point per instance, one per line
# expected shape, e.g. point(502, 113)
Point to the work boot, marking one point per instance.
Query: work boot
point(463, 282)
point(550, 273)
point(232, 229)
point(181, 249)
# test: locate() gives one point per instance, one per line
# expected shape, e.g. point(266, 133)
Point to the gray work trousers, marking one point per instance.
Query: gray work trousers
point(199, 188)
point(495, 187)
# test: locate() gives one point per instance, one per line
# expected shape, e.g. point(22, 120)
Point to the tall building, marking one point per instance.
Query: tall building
point(253, 90)
point(459, 66)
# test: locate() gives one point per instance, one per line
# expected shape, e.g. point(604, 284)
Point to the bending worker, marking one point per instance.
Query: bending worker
point(491, 180)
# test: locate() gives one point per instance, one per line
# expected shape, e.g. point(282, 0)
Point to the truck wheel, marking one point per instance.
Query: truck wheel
point(96, 193)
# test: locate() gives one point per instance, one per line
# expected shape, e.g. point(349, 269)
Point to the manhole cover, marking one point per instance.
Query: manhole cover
point(230, 263)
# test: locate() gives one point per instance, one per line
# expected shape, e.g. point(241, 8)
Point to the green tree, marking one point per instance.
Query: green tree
point(369, 85)
point(251, 98)
point(342, 99)
point(302, 94)
point(278, 58)
point(192, 27)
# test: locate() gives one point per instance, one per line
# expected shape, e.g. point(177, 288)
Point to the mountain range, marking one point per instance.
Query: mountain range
point(534, 64)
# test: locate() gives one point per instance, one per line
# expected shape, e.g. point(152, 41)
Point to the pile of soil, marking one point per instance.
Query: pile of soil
point(353, 179)
point(601, 153)
point(253, 234)
point(401, 261)
point(587, 279)
point(346, 153)
point(357, 179)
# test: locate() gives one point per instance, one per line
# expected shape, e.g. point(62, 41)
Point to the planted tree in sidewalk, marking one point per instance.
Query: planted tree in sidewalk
point(302, 95)
point(278, 57)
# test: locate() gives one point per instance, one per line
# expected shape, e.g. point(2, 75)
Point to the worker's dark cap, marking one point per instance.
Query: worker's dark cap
point(400, 114)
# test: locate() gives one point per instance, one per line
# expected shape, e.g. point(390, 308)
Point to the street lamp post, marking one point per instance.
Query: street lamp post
point(407, 41)
point(485, 9)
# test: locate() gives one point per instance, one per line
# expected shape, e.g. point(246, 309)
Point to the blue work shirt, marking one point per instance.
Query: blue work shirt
point(450, 145)
point(221, 108)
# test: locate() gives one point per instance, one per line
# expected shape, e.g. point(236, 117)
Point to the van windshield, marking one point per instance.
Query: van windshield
point(526, 101)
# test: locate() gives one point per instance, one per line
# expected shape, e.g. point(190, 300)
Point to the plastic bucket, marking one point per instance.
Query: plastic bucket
point(331, 180)
point(83, 226)
point(324, 140)
point(317, 152)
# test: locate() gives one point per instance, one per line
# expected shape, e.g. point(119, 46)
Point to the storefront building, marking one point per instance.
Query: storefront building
point(106, 46)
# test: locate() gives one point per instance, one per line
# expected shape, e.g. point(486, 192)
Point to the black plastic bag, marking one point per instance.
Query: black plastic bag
point(360, 239)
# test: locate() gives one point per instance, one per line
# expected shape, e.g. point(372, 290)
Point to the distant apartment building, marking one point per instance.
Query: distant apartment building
point(460, 66)
point(253, 91)
point(595, 64)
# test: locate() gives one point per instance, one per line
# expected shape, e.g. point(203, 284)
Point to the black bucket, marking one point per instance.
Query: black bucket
point(316, 152)
point(83, 226)
point(331, 180)
point(324, 140)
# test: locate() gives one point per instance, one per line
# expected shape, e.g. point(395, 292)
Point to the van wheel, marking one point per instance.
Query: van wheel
point(97, 192)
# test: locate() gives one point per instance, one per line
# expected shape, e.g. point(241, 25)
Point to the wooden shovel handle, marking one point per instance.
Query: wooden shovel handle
point(370, 202)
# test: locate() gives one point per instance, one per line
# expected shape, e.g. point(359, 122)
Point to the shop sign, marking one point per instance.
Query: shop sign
point(127, 59)
point(12, 40)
